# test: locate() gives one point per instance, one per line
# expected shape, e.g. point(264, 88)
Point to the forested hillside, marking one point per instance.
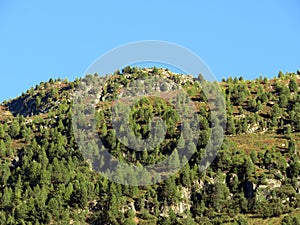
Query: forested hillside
point(255, 178)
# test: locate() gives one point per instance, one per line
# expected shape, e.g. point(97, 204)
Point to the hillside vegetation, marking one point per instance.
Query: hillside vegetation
point(255, 177)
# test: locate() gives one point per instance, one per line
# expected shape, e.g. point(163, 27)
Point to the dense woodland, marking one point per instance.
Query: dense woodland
point(255, 177)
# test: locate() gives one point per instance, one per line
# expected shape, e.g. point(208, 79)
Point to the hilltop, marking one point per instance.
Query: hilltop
point(255, 177)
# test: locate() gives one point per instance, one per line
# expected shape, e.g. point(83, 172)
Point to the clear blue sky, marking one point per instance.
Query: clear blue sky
point(44, 39)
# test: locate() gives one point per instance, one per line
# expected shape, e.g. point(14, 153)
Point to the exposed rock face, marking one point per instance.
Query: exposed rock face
point(263, 191)
point(180, 207)
point(253, 128)
point(4, 113)
point(26, 104)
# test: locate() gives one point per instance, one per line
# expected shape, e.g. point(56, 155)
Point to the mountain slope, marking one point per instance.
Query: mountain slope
point(255, 176)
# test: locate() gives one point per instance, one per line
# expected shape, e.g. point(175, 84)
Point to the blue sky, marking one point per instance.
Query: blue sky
point(44, 39)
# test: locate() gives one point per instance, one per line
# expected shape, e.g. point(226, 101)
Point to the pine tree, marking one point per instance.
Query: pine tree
point(292, 147)
point(14, 129)
point(276, 111)
point(38, 101)
point(283, 101)
point(185, 175)
point(293, 85)
point(230, 126)
point(253, 157)
point(2, 131)
point(169, 190)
